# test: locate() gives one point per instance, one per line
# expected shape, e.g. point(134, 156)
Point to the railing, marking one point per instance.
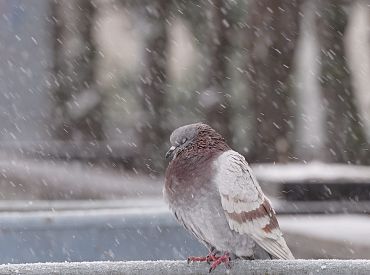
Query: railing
point(296, 267)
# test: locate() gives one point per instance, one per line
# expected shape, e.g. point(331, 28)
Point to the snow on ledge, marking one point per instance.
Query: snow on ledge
point(181, 267)
point(311, 172)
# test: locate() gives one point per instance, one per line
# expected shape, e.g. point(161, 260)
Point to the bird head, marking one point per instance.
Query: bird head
point(182, 137)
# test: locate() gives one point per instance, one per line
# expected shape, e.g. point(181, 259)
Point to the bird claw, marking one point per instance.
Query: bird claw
point(212, 260)
point(223, 259)
point(209, 258)
point(197, 259)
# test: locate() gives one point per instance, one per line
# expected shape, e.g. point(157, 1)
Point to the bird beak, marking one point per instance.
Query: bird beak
point(169, 153)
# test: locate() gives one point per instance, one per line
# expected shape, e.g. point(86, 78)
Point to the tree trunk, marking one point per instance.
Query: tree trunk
point(273, 27)
point(152, 129)
point(214, 100)
point(357, 44)
point(78, 108)
point(346, 141)
point(310, 119)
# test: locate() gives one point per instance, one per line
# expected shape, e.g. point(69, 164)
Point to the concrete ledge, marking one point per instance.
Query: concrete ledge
point(181, 267)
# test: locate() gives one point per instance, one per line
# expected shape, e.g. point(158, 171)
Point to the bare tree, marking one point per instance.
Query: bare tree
point(273, 27)
point(78, 108)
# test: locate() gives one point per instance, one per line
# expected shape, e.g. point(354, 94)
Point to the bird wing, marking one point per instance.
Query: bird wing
point(247, 209)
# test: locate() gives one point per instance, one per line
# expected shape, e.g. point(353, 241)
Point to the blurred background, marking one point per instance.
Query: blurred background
point(90, 91)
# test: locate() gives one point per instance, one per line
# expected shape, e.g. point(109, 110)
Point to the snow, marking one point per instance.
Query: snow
point(181, 267)
point(311, 172)
point(83, 103)
point(36, 179)
point(120, 33)
point(350, 229)
point(73, 180)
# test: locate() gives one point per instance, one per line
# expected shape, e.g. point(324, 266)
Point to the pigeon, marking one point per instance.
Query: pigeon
point(214, 194)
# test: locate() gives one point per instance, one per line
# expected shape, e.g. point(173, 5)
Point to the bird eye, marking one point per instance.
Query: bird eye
point(184, 140)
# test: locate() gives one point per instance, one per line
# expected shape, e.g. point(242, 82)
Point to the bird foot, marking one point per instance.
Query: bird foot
point(209, 258)
point(223, 259)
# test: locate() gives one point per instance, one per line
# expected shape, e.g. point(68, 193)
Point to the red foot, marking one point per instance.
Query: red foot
point(223, 259)
point(209, 258)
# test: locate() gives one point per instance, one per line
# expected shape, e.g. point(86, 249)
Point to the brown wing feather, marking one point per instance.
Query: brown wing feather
point(246, 207)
